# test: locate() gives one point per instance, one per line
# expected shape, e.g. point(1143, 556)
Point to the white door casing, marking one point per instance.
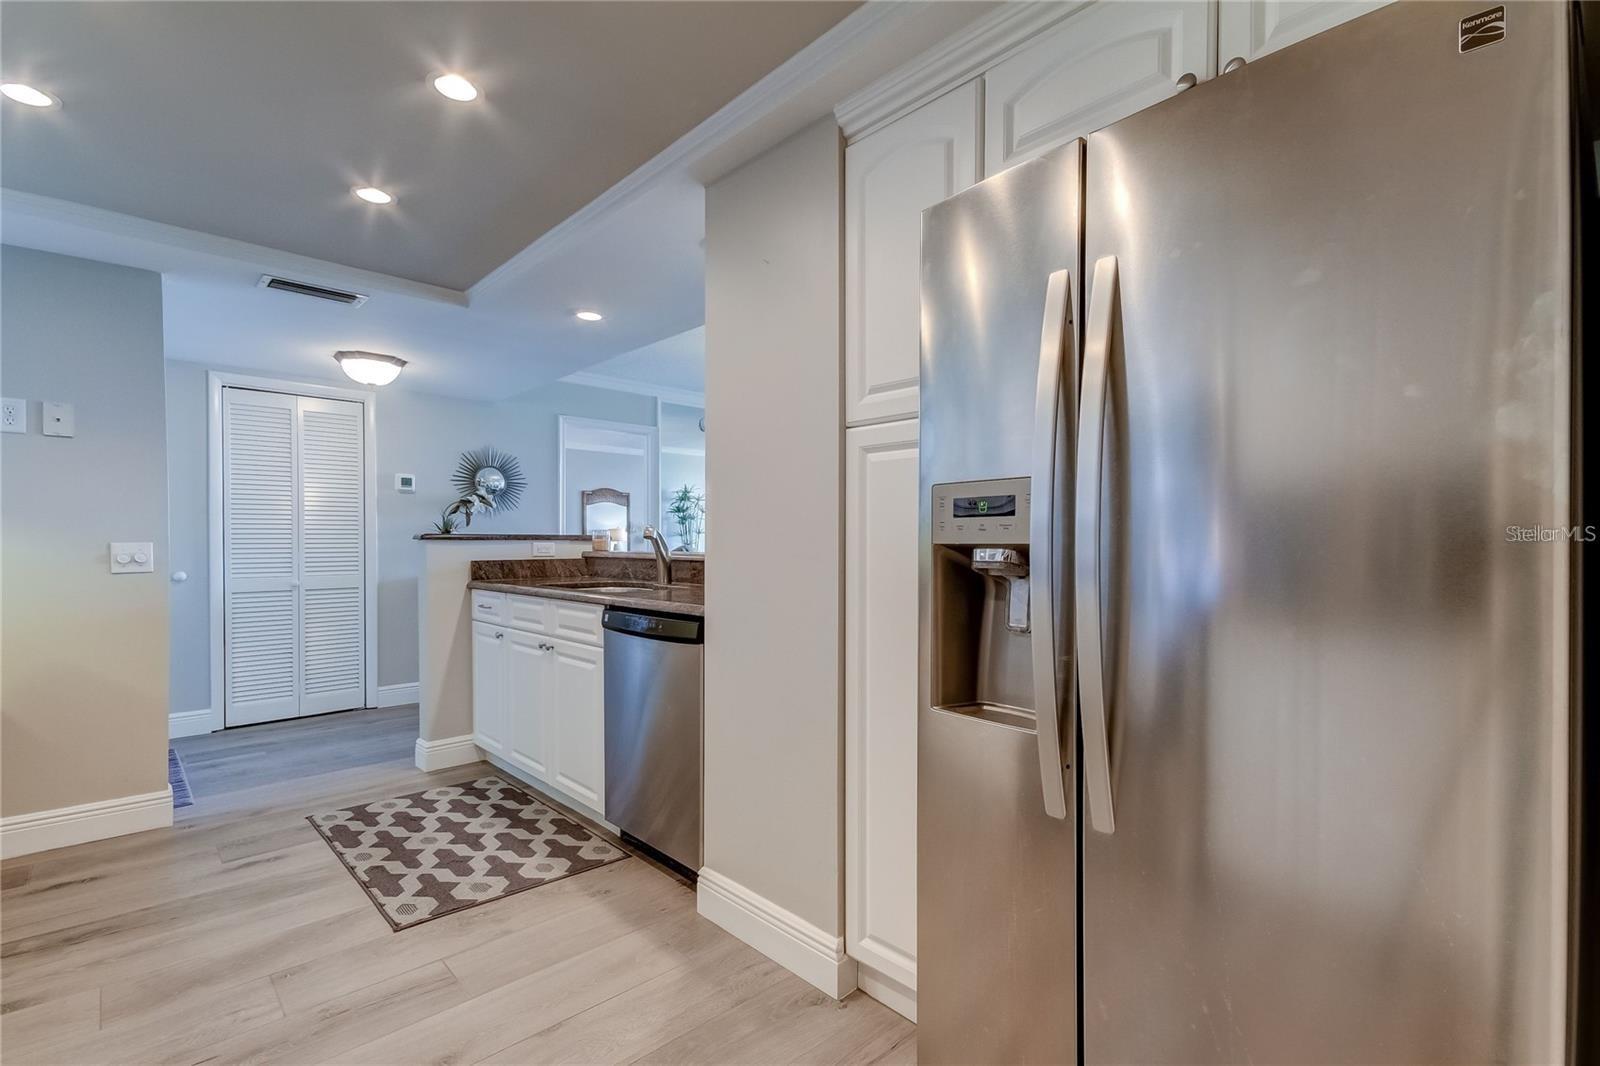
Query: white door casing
point(881, 698)
point(1100, 64)
point(891, 175)
point(288, 639)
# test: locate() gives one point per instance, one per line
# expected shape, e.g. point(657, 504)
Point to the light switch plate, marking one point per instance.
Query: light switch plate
point(58, 420)
point(133, 557)
point(13, 416)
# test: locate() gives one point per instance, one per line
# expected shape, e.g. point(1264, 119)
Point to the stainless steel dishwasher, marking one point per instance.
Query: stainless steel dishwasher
point(653, 688)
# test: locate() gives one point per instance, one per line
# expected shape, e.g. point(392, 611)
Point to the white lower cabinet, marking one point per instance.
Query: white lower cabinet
point(529, 660)
point(488, 687)
point(577, 686)
point(880, 709)
point(538, 702)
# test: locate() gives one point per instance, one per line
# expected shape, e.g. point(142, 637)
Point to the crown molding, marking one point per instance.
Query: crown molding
point(643, 388)
point(958, 59)
point(840, 42)
point(16, 205)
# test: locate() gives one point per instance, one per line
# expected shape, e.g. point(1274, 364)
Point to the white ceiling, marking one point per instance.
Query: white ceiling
point(673, 367)
point(634, 251)
point(283, 107)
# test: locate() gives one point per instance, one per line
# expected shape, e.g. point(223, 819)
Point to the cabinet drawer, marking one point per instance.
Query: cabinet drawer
point(577, 621)
point(488, 606)
point(529, 612)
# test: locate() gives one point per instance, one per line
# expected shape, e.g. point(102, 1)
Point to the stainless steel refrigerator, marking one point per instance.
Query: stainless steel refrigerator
point(1244, 688)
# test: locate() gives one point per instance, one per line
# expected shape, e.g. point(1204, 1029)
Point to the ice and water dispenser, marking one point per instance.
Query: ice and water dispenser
point(981, 658)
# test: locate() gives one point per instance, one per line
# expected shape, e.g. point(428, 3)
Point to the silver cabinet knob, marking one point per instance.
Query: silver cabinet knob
point(1233, 64)
point(499, 635)
point(1188, 81)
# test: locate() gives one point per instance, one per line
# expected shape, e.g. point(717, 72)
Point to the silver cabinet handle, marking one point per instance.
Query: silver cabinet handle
point(1187, 81)
point(1233, 64)
point(499, 634)
point(1055, 346)
point(1094, 761)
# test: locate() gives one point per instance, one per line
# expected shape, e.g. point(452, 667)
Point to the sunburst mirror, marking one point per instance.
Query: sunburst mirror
point(494, 473)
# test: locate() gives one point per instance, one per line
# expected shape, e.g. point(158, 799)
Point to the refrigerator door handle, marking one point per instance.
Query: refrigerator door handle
point(1095, 759)
point(1055, 344)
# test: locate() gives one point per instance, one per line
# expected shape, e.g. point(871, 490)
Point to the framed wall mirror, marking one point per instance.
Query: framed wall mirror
point(605, 510)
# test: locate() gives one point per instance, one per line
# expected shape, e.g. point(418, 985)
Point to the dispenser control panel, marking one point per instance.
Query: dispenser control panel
point(981, 512)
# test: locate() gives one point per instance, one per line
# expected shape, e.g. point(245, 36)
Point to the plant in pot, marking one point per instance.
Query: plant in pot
point(688, 510)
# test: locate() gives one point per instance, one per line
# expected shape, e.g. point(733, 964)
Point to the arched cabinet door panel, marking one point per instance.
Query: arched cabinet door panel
point(891, 175)
point(1100, 64)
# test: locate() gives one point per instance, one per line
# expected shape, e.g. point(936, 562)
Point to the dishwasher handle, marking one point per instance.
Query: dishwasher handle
point(677, 629)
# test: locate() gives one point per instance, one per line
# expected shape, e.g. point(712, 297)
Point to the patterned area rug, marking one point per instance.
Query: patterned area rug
point(436, 852)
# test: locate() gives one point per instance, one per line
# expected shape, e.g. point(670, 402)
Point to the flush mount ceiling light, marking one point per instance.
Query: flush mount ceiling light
point(455, 87)
point(27, 94)
point(588, 316)
point(372, 195)
point(370, 368)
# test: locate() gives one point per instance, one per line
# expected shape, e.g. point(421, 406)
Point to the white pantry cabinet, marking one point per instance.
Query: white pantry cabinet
point(881, 708)
point(538, 701)
point(1100, 64)
point(1249, 29)
point(890, 177)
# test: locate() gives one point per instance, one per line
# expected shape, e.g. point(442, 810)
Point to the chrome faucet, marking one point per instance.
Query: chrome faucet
point(663, 564)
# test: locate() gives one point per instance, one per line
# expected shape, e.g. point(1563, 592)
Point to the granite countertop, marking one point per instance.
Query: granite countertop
point(683, 599)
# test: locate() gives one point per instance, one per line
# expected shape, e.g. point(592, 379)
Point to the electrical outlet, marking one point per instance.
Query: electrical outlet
point(543, 548)
point(13, 416)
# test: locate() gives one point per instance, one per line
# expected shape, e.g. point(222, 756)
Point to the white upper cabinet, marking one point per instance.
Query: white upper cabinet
point(1249, 29)
point(891, 175)
point(1100, 64)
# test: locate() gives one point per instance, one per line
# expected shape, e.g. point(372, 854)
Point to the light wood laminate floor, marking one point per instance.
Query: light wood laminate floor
point(237, 936)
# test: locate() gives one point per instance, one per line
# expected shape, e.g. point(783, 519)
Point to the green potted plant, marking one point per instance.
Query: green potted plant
point(688, 510)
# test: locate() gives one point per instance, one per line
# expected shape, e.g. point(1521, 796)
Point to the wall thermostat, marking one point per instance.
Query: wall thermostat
point(405, 483)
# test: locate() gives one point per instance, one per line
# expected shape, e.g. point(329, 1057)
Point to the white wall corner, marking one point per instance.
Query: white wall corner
point(24, 834)
point(445, 753)
point(397, 695)
point(188, 723)
point(779, 934)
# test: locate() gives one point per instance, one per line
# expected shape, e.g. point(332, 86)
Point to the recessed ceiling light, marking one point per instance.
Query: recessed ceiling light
point(370, 368)
point(455, 87)
point(588, 316)
point(27, 94)
point(373, 195)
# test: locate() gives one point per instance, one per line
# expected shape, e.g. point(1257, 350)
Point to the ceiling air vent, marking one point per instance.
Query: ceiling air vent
point(305, 288)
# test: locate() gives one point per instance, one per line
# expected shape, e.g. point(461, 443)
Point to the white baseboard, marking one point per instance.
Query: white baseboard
point(541, 787)
point(779, 934)
point(24, 834)
point(397, 695)
point(188, 723)
point(886, 990)
point(445, 753)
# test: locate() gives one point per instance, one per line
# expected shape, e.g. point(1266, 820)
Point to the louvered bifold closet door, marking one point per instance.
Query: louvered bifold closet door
point(261, 661)
point(333, 631)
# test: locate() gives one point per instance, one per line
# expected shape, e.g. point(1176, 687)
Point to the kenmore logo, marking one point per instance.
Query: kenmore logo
point(1486, 27)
